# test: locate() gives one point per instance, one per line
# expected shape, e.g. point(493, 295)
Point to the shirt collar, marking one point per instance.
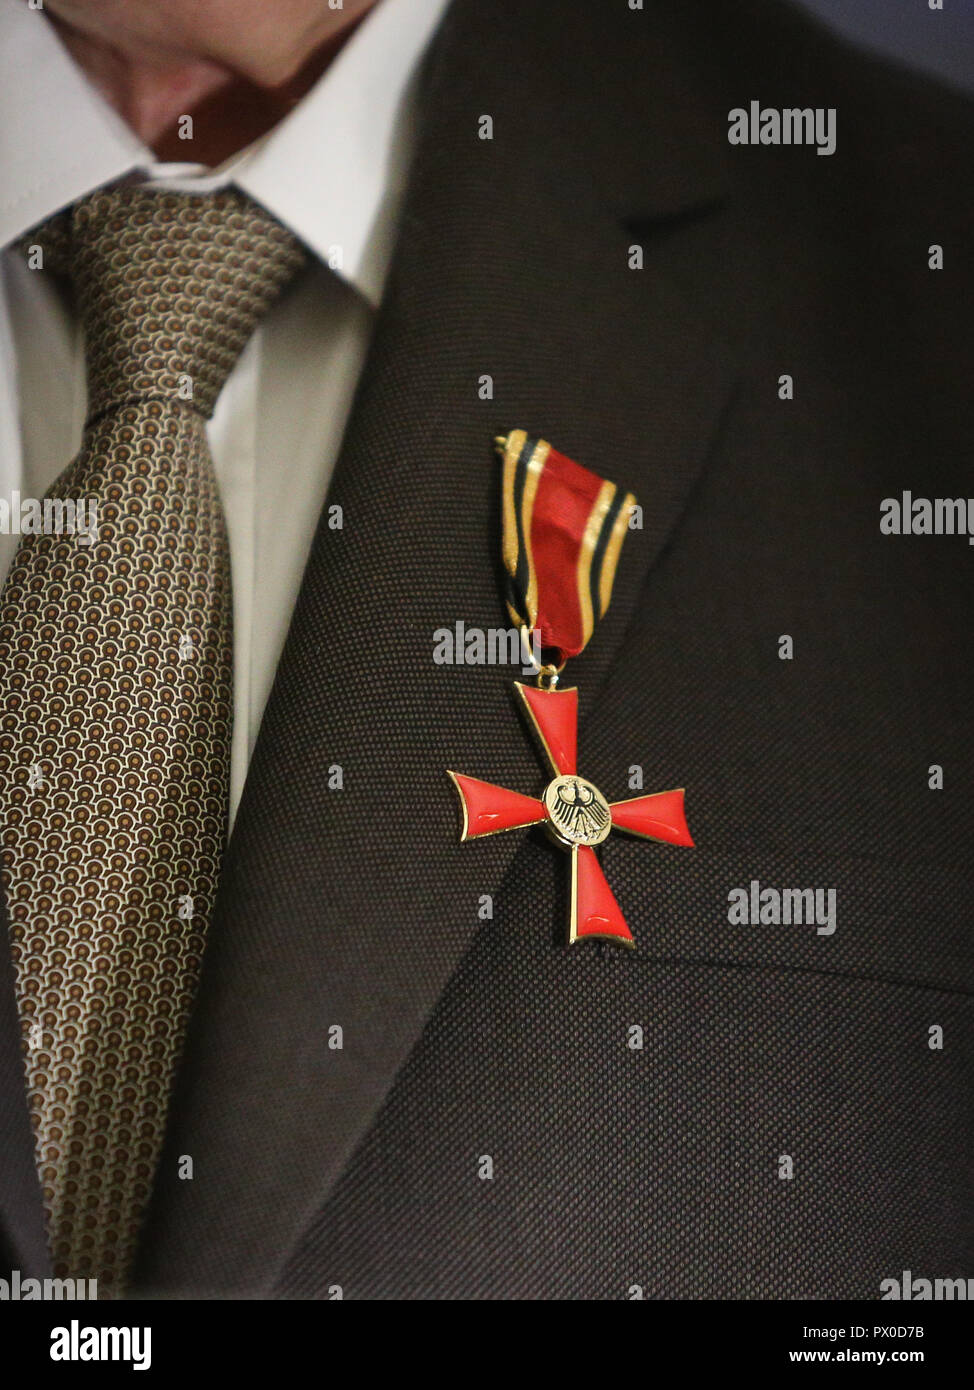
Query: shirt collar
point(58, 138)
point(332, 171)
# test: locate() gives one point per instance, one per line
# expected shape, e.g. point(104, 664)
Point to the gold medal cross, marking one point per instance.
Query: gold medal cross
point(574, 813)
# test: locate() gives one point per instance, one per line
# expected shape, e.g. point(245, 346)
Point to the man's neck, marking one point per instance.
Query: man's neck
point(228, 111)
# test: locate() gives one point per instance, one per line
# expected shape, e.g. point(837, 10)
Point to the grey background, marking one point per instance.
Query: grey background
point(940, 42)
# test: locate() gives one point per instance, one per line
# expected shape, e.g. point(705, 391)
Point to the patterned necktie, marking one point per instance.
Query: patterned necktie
point(116, 699)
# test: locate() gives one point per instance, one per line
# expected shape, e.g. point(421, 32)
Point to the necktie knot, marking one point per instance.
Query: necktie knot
point(170, 287)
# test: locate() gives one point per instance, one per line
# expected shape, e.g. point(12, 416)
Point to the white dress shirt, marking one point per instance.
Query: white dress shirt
point(333, 172)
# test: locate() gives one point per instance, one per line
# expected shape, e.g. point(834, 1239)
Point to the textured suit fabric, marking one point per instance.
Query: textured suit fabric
point(615, 1169)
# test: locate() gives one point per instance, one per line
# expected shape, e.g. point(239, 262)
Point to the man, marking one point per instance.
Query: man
point(619, 230)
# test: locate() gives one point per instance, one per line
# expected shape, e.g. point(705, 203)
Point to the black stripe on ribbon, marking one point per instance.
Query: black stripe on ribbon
point(522, 575)
point(598, 556)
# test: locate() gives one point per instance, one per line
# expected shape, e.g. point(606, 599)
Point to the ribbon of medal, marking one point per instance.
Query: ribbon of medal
point(563, 530)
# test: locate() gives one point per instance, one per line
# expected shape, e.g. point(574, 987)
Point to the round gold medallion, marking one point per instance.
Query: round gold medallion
point(578, 813)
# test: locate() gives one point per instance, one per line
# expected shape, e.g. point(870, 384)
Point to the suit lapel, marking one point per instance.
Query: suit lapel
point(349, 908)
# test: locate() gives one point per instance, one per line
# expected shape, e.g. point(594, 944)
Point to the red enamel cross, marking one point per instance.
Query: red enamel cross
point(574, 812)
